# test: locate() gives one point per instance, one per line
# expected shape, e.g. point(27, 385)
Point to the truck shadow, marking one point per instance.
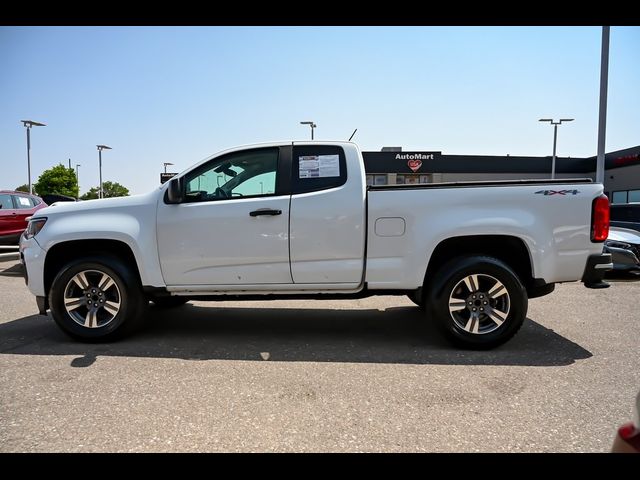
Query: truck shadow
point(395, 335)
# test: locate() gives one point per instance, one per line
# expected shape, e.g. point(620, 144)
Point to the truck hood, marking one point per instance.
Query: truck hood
point(59, 208)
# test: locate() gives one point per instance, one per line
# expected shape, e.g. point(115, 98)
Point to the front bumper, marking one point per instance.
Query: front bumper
point(623, 259)
point(32, 257)
point(597, 266)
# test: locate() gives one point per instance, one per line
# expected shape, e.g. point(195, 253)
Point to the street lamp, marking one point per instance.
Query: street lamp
point(165, 166)
point(312, 125)
point(28, 124)
point(555, 137)
point(78, 179)
point(100, 148)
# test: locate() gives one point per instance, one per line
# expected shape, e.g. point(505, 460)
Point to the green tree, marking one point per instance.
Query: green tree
point(109, 189)
point(58, 180)
point(22, 188)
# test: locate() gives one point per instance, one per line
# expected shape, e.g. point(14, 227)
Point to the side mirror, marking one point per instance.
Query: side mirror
point(175, 192)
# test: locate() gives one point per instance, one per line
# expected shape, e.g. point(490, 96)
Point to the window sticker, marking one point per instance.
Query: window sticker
point(319, 166)
point(24, 202)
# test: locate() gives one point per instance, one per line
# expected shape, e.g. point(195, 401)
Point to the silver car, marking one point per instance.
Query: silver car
point(624, 246)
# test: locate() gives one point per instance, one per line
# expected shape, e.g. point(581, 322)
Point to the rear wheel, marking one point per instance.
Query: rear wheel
point(97, 298)
point(477, 302)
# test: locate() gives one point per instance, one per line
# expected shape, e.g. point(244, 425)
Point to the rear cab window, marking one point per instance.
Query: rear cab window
point(317, 167)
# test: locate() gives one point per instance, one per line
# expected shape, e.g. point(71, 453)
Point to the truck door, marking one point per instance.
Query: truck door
point(327, 226)
point(233, 227)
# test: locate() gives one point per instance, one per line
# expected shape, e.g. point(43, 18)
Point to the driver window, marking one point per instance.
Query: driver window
point(5, 202)
point(249, 173)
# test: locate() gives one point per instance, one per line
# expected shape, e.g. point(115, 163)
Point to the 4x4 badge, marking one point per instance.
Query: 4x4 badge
point(557, 192)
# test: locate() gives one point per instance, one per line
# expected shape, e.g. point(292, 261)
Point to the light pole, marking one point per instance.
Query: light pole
point(78, 179)
point(100, 148)
point(312, 125)
point(602, 117)
point(555, 138)
point(28, 124)
point(165, 166)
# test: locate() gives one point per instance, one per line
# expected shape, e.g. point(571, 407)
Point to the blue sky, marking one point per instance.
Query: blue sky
point(179, 94)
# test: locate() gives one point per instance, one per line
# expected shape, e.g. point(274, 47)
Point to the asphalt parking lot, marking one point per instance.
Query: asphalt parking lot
point(360, 375)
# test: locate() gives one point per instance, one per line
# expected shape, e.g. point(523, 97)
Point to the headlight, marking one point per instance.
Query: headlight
point(34, 227)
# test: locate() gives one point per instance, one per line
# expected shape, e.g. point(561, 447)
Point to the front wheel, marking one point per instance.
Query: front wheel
point(477, 301)
point(97, 298)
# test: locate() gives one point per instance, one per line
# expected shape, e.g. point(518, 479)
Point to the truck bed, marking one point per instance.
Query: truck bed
point(551, 218)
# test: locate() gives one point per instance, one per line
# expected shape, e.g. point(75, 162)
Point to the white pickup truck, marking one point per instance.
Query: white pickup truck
point(297, 220)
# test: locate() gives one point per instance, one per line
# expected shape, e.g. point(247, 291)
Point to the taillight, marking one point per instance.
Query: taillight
point(600, 219)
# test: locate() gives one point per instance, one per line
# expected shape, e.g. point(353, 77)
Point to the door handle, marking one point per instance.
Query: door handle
point(265, 211)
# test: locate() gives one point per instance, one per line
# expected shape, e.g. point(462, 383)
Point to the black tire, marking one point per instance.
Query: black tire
point(474, 329)
point(417, 298)
point(127, 294)
point(169, 302)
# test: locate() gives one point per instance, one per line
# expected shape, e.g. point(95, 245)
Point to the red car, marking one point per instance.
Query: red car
point(15, 207)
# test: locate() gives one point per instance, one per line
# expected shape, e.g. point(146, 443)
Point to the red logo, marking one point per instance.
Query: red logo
point(629, 159)
point(414, 165)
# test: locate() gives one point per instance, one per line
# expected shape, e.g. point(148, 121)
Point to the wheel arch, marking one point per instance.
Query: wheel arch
point(510, 249)
point(61, 253)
